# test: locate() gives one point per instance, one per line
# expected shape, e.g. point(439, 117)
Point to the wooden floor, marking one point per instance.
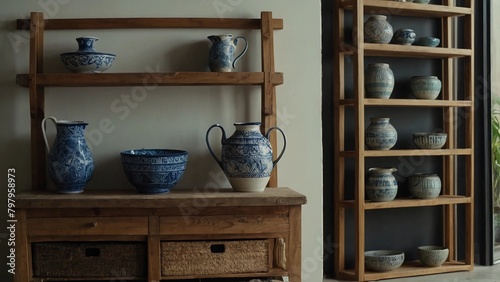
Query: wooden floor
point(480, 274)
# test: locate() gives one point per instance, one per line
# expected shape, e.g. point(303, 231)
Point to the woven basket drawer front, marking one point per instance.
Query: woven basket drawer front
point(88, 226)
point(89, 259)
point(214, 257)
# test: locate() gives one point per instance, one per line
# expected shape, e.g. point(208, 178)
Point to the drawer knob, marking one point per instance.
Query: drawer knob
point(93, 224)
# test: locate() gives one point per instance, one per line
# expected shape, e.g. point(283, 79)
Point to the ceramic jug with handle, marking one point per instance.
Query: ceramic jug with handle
point(220, 57)
point(70, 161)
point(247, 156)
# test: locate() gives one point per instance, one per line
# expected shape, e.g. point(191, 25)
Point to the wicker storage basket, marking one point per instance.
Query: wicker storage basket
point(84, 260)
point(214, 257)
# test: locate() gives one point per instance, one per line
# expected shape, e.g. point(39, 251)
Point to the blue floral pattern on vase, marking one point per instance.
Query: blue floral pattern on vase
point(70, 161)
point(247, 154)
point(220, 57)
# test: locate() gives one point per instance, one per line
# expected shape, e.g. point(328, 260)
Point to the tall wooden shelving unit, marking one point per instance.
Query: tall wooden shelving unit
point(113, 214)
point(449, 198)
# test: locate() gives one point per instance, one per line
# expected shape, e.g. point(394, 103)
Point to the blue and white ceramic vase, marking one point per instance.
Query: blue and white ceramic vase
point(379, 81)
point(220, 56)
point(380, 134)
point(70, 161)
point(381, 185)
point(247, 156)
point(377, 30)
point(86, 59)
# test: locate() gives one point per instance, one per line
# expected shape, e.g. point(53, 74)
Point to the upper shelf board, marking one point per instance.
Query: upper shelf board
point(395, 8)
point(139, 79)
point(396, 50)
point(121, 23)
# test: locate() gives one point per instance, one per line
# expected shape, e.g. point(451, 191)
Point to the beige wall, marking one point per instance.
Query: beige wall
point(171, 117)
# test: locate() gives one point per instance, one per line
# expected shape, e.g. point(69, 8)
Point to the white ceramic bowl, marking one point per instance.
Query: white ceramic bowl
point(384, 260)
point(429, 140)
point(432, 255)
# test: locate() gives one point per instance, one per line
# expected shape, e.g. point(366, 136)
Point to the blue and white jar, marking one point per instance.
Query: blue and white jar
point(380, 134)
point(377, 30)
point(379, 81)
point(247, 156)
point(70, 161)
point(381, 186)
point(220, 56)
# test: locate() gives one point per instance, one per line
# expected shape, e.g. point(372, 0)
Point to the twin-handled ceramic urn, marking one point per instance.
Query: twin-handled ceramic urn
point(247, 156)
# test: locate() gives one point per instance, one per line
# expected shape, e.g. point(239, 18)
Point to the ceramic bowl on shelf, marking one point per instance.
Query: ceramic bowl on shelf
point(86, 59)
point(424, 186)
point(427, 41)
point(384, 260)
point(429, 140)
point(404, 36)
point(432, 255)
point(154, 170)
point(425, 87)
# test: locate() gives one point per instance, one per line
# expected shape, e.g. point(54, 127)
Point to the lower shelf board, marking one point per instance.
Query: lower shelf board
point(412, 268)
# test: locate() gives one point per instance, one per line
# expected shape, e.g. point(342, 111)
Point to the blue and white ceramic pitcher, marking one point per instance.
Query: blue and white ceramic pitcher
point(247, 156)
point(220, 57)
point(70, 161)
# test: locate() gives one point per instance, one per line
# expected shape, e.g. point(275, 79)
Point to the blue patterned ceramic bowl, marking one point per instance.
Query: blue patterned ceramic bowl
point(94, 62)
point(424, 186)
point(432, 255)
point(425, 87)
point(429, 140)
point(154, 170)
point(427, 41)
point(404, 36)
point(86, 59)
point(384, 260)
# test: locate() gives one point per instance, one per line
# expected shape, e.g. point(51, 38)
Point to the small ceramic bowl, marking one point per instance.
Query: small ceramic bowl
point(427, 41)
point(404, 36)
point(424, 186)
point(425, 87)
point(384, 260)
point(429, 140)
point(403, 0)
point(87, 63)
point(432, 255)
point(154, 170)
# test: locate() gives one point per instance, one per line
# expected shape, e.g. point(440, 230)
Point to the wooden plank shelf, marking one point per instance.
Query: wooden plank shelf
point(395, 8)
point(175, 198)
point(410, 202)
point(408, 102)
point(408, 269)
point(409, 152)
point(140, 79)
point(131, 23)
point(397, 50)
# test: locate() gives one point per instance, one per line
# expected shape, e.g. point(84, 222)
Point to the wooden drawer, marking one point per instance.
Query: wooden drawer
point(224, 224)
point(88, 226)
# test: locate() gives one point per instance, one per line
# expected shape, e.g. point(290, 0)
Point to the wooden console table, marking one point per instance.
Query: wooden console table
point(178, 216)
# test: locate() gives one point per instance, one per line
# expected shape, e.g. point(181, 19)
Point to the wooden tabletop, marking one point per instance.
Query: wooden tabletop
point(129, 198)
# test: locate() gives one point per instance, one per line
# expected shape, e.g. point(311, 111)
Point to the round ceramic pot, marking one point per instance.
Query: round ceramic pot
point(378, 30)
point(380, 134)
point(379, 81)
point(404, 36)
point(425, 87)
point(381, 185)
point(424, 186)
